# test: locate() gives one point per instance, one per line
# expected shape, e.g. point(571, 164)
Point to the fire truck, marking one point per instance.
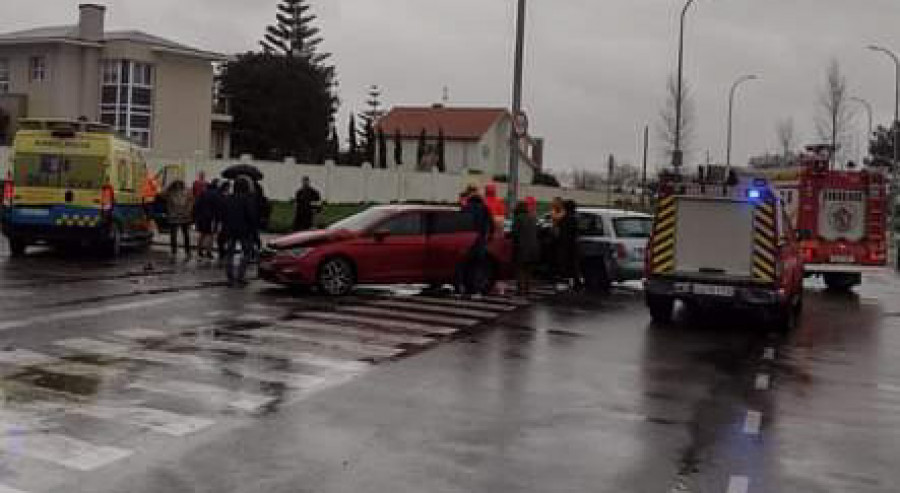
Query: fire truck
point(840, 217)
point(729, 245)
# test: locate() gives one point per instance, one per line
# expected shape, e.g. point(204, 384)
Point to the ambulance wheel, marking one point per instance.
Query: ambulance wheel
point(661, 308)
point(112, 247)
point(17, 247)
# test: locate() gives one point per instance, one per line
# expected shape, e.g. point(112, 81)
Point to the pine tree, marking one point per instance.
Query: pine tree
point(353, 151)
point(398, 147)
point(368, 146)
point(369, 119)
point(420, 150)
point(442, 158)
point(293, 34)
point(334, 146)
point(382, 149)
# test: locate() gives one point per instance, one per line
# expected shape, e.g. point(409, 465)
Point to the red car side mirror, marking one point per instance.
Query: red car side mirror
point(381, 235)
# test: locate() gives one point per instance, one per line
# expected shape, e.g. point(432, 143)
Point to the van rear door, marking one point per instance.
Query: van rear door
point(714, 237)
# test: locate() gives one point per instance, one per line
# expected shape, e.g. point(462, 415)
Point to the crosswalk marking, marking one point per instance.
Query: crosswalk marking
point(217, 396)
point(382, 312)
point(428, 329)
point(296, 381)
point(24, 357)
point(157, 420)
point(461, 303)
point(363, 349)
point(421, 307)
point(141, 334)
point(9, 489)
point(506, 299)
point(299, 357)
point(356, 333)
point(64, 451)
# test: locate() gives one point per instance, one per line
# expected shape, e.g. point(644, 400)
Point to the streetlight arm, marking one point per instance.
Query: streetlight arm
point(734, 87)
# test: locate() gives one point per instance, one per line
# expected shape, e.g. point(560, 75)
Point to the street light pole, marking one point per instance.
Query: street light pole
point(895, 168)
point(734, 87)
point(677, 153)
point(868, 107)
point(512, 197)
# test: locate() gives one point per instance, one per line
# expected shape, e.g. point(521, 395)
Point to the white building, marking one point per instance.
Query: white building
point(476, 140)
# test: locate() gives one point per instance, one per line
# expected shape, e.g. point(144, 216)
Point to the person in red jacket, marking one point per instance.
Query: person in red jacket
point(494, 203)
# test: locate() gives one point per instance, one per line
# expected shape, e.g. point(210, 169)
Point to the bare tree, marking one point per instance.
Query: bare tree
point(835, 115)
point(668, 119)
point(786, 133)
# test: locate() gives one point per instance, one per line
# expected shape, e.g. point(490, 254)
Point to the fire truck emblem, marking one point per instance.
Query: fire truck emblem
point(842, 219)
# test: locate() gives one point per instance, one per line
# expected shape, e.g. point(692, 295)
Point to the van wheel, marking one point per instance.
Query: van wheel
point(17, 247)
point(336, 277)
point(661, 308)
point(842, 283)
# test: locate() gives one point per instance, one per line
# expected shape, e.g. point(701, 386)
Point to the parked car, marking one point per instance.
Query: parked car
point(407, 244)
point(612, 245)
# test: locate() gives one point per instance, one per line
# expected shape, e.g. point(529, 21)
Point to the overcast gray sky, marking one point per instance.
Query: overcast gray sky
point(595, 72)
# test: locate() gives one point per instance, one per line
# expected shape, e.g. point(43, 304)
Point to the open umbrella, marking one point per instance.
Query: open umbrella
point(243, 169)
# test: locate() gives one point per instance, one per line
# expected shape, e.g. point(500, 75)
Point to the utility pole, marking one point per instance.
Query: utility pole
point(609, 180)
point(512, 197)
point(731, 116)
point(677, 153)
point(644, 171)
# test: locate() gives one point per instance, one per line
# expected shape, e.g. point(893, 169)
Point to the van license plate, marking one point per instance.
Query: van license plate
point(720, 291)
point(842, 259)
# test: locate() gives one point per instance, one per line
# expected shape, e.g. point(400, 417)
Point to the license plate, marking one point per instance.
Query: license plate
point(34, 212)
point(708, 290)
point(842, 259)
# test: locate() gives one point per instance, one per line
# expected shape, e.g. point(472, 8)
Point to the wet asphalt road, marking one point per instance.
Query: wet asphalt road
point(115, 377)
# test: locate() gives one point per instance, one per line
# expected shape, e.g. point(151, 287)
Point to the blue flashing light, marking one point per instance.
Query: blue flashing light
point(754, 194)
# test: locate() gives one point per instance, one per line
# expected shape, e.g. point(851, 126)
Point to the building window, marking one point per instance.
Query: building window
point(126, 101)
point(4, 75)
point(38, 68)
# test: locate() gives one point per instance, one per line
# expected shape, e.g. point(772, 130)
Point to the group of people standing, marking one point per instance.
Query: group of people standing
point(227, 213)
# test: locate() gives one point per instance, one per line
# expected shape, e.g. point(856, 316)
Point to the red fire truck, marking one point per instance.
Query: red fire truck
point(841, 219)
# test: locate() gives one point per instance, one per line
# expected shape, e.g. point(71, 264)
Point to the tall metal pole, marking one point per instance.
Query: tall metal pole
point(894, 131)
point(677, 153)
point(734, 87)
point(513, 189)
point(869, 112)
point(644, 171)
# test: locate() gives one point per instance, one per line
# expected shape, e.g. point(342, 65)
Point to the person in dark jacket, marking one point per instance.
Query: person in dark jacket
point(222, 238)
point(568, 255)
point(526, 248)
point(206, 212)
point(475, 267)
point(180, 210)
point(307, 202)
point(241, 226)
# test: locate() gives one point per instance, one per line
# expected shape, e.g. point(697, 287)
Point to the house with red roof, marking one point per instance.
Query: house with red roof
point(476, 140)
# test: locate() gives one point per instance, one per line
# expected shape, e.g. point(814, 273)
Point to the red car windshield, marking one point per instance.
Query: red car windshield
point(362, 222)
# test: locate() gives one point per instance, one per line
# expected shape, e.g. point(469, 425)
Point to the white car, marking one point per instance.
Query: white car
point(619, 235)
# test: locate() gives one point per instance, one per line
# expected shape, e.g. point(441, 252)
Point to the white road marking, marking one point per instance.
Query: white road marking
point(182, 322)
point(738, 484)
point(123, 351)
point(355, 333)
point(293, 380)
point(255, 318)
point(217, 396)
point(62, 450)
point(93, 312)
point(428, 329)
point(360, 348)
point(276, 353)
point(380, 312)
point(139, 334)
point(423, 307)
point(147, 418)
point(763, 381)
point(24, 357)
point(509, 300)
point(9, 489)
point(753, 422)
point(484, 305)
point(769, 354)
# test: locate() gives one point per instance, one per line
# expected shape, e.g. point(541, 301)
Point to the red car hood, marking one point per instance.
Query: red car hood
point(310, 238)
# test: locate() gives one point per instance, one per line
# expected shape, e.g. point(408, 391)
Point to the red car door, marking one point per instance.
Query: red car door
point(393, 251)
point(451, 234)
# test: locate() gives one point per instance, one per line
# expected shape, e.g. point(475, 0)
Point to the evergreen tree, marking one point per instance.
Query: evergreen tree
point(370, 143)
point(334, 146)
point(442, 158)
point(369, 119)
point(420, 150)
point(353, 151)
point(382, 149)
point(294, 36)
point(398, 147)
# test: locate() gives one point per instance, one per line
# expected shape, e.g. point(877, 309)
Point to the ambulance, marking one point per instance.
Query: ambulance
point(727, 245)
point(74, 183)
